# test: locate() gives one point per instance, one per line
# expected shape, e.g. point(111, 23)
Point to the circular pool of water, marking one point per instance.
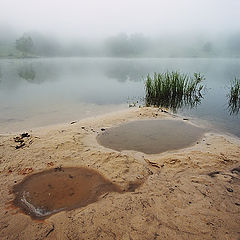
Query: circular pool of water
point(151, 136)
point(45, 193)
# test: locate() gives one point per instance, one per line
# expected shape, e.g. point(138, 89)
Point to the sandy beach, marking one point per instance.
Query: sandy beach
point(191, 193)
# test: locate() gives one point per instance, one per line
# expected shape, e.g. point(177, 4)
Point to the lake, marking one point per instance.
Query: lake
point(45, 91)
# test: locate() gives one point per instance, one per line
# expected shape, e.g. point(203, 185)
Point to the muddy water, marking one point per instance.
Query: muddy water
point(45, 193)
point(150, 136)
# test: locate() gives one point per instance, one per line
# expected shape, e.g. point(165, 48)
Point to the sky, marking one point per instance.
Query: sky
point(100, 18)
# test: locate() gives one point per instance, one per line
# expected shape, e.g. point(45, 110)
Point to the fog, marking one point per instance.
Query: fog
point(127, 28)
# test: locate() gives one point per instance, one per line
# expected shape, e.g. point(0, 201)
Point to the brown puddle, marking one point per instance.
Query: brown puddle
point(150, 136)
point(45, 193)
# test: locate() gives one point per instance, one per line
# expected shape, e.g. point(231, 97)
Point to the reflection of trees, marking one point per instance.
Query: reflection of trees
point(27, 73)
point(33, 72)
point(125, 72)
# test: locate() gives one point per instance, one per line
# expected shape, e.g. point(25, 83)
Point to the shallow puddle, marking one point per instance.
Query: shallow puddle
point(45, 193)
point(151, 136)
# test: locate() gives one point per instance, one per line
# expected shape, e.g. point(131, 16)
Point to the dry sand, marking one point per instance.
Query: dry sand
point(186, 194)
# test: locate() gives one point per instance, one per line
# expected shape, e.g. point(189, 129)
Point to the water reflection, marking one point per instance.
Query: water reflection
point(179, 102)
point(233, 107)
point(174, 90)
point(127, 71)
point(13, 72)
point(27, 73)
point(56, 90)
point(234, 97)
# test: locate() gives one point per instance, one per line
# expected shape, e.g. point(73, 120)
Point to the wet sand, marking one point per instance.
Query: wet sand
point(190, 193)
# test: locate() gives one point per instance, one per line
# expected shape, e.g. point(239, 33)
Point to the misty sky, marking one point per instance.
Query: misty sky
point(98, 18)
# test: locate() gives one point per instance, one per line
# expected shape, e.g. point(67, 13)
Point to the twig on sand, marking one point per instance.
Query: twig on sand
point(153, 164)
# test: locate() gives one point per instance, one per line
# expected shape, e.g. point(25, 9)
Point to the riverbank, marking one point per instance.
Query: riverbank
point(192, 193)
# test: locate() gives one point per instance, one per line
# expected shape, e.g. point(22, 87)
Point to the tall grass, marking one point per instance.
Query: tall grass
point(173, 90)
point(234, 96)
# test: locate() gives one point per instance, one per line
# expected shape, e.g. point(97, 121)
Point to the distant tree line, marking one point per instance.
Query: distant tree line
point(124, 45)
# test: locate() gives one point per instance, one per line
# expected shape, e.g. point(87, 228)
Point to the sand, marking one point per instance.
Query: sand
point(192, 193)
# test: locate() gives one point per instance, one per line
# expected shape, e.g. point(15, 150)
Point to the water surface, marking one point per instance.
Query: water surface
point(151, 136)
point(39, 92)
point(45, 193)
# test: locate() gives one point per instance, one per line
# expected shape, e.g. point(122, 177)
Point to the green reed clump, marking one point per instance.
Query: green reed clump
point(173, 90)
point(234, 96)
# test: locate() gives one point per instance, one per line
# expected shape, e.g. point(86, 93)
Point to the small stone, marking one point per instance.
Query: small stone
point(236, 170)
point(21, 145)
point(213, 174)
point(18, 139)
point(229, 190)
point(23, 135)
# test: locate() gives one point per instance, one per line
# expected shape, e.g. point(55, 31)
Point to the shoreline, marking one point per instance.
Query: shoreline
point(122, 110)
point(186, 193)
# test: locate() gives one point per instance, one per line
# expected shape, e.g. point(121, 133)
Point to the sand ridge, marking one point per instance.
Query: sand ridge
point(191, 193)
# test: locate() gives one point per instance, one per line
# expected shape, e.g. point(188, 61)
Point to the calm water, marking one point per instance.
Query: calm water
point(40, 195)
point(38, 92)
point(151, 136)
